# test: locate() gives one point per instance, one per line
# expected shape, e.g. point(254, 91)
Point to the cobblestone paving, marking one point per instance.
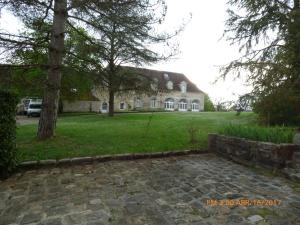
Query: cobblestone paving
point(153, 192)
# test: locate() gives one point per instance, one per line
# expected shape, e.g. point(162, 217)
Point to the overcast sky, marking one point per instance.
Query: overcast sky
point(201, 46)
point(202, 51)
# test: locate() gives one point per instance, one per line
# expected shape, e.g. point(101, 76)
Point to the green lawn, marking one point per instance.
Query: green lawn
point(89, 135)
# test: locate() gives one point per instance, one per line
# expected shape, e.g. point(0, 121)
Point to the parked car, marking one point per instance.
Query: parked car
point(34, 109)
point(22, 107)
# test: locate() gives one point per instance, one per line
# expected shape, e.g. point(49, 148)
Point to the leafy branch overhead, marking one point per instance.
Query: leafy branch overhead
point(269, 38)
point(126, 35)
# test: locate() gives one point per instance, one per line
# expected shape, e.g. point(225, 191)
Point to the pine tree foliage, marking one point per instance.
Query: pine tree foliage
point(268, 34)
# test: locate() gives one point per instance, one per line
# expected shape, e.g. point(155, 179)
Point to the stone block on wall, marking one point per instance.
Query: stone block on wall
point(262, 153)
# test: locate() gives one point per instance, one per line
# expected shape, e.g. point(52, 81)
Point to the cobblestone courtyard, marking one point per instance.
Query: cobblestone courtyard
point(153, 192)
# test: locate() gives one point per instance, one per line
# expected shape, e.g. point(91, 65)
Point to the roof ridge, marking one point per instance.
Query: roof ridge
point(155, 70)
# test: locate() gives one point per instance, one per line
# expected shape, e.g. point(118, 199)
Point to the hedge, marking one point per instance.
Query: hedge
point(8, 161)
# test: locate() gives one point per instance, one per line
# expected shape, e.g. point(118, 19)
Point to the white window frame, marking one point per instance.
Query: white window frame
point(195, 107)
point(104, 110)
point(124, 106)
point(182, 106)
point(153, 103)
point(169, 105)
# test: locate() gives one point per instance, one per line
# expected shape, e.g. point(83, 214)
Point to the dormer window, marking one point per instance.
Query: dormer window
point(154, 84)
point(170, 85)
point(183, 87)
point(166, 76)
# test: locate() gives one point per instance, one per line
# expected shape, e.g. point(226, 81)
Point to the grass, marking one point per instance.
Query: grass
point(94, 134)
point(258, 133)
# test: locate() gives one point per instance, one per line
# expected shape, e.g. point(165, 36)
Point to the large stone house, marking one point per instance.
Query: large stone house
point(175, 93)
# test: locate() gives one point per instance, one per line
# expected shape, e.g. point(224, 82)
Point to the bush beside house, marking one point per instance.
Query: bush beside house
point(208, 105)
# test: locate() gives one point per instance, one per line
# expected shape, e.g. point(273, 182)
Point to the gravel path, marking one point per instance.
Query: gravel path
point(24, 120)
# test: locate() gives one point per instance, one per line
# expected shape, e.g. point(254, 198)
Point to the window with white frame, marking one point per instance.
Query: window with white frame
point(122, 105)
point(196, 106)
point(169, 104)
point(153, 103)
point(182, 106)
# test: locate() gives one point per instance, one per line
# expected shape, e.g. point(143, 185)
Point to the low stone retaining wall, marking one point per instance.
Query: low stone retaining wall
point(105, 158)
point(285, 157)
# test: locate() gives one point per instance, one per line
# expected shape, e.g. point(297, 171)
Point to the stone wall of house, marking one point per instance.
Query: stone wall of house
point(130, 100)
point(270, 155)
point(81, 106)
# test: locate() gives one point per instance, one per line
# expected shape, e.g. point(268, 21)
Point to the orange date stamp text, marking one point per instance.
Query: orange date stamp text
point(243, 202)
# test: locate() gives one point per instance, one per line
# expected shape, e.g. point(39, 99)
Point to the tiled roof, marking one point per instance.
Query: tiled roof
point(164, 76)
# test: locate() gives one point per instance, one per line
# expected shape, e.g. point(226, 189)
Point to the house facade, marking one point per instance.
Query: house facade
point(175, 92)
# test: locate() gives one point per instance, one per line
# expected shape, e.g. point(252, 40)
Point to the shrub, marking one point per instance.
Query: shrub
point(281, 107)
point(257, 133)
point(8, 103)
point(208, 105)
point(193, 131)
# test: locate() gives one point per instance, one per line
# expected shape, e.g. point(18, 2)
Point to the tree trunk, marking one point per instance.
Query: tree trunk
point(293, 44)
point(111, 103)
point(48, 117)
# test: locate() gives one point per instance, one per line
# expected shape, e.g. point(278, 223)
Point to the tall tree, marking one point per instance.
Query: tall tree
point(48, 117)
point(35, 11)
point(126, 37)
point(269, 35)
point(58, 13)
point(29, 81)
